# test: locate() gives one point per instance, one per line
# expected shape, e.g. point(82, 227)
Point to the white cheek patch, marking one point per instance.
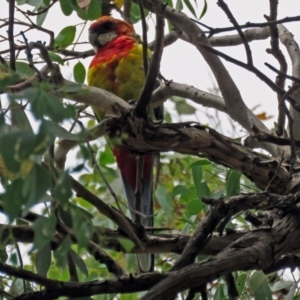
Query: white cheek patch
point(104, 38)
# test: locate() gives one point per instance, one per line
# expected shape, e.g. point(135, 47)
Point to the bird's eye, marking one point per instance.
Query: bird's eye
point(92, 30)
point(107, 26)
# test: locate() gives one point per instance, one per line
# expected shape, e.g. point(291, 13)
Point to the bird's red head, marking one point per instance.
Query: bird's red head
point(107, 28)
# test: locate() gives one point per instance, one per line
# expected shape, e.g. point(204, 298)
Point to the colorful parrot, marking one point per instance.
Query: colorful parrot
point(118, 68)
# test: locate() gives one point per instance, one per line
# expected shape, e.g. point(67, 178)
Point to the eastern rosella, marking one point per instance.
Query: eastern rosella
point(118, 68)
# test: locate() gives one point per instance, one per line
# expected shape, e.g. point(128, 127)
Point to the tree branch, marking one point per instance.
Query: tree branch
point(11, 34)
point(199, 140)
point(145, 97)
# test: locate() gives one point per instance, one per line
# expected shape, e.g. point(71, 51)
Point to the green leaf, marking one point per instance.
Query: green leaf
point(23, 68)
point(219, 294)
point(82, 225)
point(194, 207)
point(44, 229)
point(106, 156)
point(167, 117)
point(65, 37)
point(241, 281)
point(127, 244)
point(16, 147)
point(18, 116)
point(280, 285)
point(233, 183)
point(84, 152)
point(256, 280)
point(62, 133)
point(56, 58)
point(17, 287)
point(203, 190)
point(180, 190)
point(45, 104)
point(182, 107)
point(94, 10)
point(136, 14)
point(259, 286)
point(62, 190)
point(179, 5)
point(190, 7)
point(43, 260)
point(71, 88)
point(14, 259)
point(290, 295)
point(197, 178)
point(79, 71)
point(66, 7)
point(185, 109)
point(7, 79)
point(164, 200)
point(41, 17)
point(263, 292)
point(84, 230)
point(170, 3)
point(61, 253)
point(79, 262)
point(30, 2)
point(219, 194)
point(201, 162)
point(80, 12)
point(12, 199)
point(188, 195)
point(65, 215)
point(35, 186)
point(46, 2)
point(79, 214)
point(204, 10)
point(3, 254)
point(44, 138)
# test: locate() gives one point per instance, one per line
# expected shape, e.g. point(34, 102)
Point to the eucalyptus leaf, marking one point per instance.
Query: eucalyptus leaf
point(65, 37)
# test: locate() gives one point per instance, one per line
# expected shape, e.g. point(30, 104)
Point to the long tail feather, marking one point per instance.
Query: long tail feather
point(146, 261)
point(127, 163)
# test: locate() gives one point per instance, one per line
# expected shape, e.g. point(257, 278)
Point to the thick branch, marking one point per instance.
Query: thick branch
point(199, 140)
point(235, 39)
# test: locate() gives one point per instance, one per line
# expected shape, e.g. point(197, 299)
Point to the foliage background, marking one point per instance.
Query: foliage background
point(184, 179)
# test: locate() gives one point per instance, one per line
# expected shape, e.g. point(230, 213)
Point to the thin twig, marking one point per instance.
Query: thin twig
point(72, 268)
point(97, 167)
point(30, 57)
point(30, 13)
point(236, 25)
point(106, 210)
point(127, 11)
point(145, 38)
point(257, 72)
point(275, 173)
point(270, 138)
point(27, 275)
point(34, 26)
point(293, 78)
point(145, 97)
point(291, 122)
point(277, 53)
point(11, 34)
point(213, 31)
point(21, 264)
point(99, 254)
